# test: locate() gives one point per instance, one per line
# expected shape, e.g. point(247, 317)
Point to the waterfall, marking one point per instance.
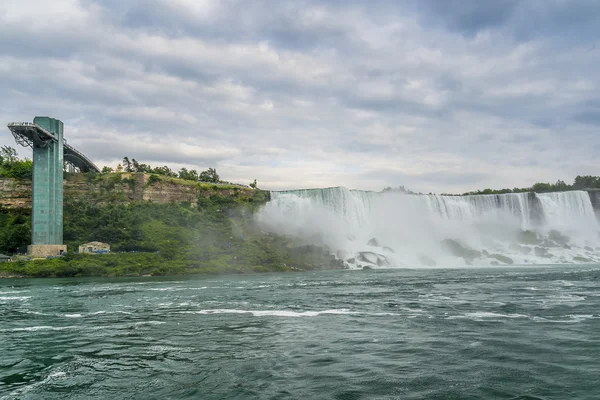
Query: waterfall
point(394, 229)
point(482, 206)
point(565, 208)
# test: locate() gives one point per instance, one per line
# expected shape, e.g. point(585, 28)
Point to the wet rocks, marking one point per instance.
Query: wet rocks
point(373, 242)
point(557, 237)
point(521, 249)
point(527, 237)
point(459, 250)
point(541, 252)
point(501, 258)
point(373, 258)
point(581, 259)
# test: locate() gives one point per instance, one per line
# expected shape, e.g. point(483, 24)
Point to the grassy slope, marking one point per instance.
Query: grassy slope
point(218, 236)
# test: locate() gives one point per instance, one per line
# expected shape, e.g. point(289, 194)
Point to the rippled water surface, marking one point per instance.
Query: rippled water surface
point(519, 333)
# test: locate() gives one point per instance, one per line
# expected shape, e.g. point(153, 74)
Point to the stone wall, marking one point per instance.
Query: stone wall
point(46, 250)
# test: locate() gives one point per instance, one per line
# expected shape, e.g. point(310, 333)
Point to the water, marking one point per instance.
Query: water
point(403, 230)
point(494, 333)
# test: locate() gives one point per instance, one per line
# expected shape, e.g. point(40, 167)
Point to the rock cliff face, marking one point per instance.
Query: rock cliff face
point(595, 199)
point(16, 194)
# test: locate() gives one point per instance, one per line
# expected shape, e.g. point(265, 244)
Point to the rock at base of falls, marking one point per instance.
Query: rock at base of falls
point(373, 258)
point(541, 252)
point(459, 250)
point(373, 242)
point(581, 259)
point(558, 237)
point(528, 237)
point(504, 259)
point(518, 248)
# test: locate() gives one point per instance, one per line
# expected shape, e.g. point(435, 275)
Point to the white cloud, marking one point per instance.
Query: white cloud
point(311, 93)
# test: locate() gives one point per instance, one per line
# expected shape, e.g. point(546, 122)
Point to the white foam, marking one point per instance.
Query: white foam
point(483, 315)
point(273, 313)
point(6, 298)
point(570, 319)
point(42, 328)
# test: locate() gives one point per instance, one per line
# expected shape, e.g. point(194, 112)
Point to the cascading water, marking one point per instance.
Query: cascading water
point(391, 229)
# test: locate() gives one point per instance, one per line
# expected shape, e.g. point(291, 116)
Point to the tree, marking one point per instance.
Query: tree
point(210, 175)
point(106, 169)
point(586, 182)
point(191, 175)
point(541, 187)
point(8, 155)
point(253, 185)
point(127, 164)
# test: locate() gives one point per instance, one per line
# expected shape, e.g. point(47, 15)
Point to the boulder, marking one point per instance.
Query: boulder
point(519, 248)
point(373, 258)
point(528, 237)
point(459, 250)
point(557, 237)
point(541, 252)
point(581, 259)
point(504, 259)
point(549, 243)
point(373, 242)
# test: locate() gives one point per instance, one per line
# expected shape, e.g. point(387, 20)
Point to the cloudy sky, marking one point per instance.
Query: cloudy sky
point(436, 95)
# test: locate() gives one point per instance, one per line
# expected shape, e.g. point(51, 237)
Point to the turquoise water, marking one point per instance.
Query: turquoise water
point(518, 333)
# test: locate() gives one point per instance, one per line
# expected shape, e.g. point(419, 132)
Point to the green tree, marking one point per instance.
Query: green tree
point(8, 155)
point(191, 175)
point(210, 175)
point(253, 185)
point(106, 169)
point(127, 164)
point(541, 187)
point(587, 182)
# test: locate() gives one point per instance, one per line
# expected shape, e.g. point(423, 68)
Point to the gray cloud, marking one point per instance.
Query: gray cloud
point(435, 95)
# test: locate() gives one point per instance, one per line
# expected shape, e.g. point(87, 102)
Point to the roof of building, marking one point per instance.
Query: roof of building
point(4, 256)
point(95, 244)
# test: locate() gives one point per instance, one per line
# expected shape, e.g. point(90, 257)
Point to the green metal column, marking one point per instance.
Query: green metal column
point(47, 215)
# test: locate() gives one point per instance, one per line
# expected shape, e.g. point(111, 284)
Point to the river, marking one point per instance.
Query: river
point(466, 333)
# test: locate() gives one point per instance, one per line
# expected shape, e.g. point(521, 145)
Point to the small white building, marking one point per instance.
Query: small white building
point(94, 247)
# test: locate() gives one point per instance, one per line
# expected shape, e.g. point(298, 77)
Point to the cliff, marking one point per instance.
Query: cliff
point(595, 199)
point(155, 225)
point(123, 187)
point(15, 194)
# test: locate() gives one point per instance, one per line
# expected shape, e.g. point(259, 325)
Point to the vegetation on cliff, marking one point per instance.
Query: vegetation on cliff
point(579, 183)
point(12, 166)
point(215, 233)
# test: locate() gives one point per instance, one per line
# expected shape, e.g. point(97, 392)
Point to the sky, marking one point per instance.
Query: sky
point(435, 95)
